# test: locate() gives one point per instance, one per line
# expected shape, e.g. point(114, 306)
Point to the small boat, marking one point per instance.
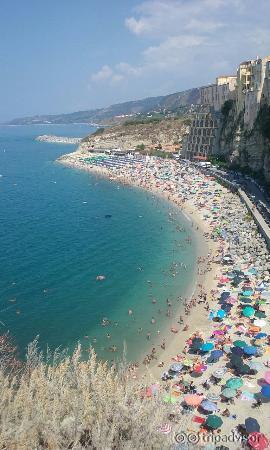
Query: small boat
point(100, 277)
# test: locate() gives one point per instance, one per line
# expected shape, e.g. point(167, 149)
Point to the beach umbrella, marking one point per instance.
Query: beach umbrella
point(229, 392)
point(267, 377)
point(255, 365)
point(171, 399)
point(237, 351)
point(219, 332)
point(242, 369)
point(200, 368)
point(252, 425)
point(247, 292)
point(259, 323)
point(250, 350)
point(196, 344)
point(207, 347)
point(260, 336)
point(248, 311)
point(239, 343)
point(253, 271)
point(213, 421)
point(165, 429)
point(265, 391)
point(187, 362)
point(216, 354)
point(235, 360)
point(221, 314)
point(234, 383)
point(207, 405)
point(176, 367)
point(258, 441)
point(260, 314)
point(213, 397)
point(225, 295)
point(254, 329)
point(219, 373)
point(245, 300)
point(193, 399)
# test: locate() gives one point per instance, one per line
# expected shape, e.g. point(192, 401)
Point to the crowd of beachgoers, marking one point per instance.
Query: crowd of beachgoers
point(217, 381)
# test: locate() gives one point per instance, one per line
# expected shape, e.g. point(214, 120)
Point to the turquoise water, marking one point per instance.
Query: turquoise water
point(55, 240)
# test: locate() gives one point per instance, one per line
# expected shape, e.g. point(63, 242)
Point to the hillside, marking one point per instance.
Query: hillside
point(171, 102)
point(152, 133)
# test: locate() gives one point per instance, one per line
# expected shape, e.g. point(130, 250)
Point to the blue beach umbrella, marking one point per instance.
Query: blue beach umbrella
point(207, 405)
point(221, 314)
point(260, 336)
point(217, 354)
point(265, 391)
point(247, 293)
point(207, 347)
point(176, 367)
point(255, 365)
point(250, 350)
point(237, 351)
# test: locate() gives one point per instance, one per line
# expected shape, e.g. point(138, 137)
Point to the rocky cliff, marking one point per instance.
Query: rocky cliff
point(248, 150)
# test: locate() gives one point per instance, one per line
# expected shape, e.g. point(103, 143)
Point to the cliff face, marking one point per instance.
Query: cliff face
point(167, 132)
point(243, 148)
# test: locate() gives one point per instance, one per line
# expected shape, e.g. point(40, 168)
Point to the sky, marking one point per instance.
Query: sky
point(61, 56)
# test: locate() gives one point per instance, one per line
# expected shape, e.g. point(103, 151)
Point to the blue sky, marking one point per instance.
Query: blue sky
point(68, 55)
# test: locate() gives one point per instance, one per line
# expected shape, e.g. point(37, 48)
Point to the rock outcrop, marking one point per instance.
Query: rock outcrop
point(165, 134)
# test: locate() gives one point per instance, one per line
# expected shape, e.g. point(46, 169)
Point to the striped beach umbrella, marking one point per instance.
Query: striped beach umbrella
point(213, 397)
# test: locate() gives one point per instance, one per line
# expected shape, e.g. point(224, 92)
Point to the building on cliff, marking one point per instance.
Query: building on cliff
point(252, 88)
point(215, 95)
point(202, 138)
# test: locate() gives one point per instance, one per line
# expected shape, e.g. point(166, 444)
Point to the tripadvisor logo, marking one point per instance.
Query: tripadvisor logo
point(201, 438)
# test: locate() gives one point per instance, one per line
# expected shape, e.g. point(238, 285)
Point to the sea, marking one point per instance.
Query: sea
point(60, 228)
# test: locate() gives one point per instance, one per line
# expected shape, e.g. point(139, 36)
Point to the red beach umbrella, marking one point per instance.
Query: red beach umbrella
point(258, 441)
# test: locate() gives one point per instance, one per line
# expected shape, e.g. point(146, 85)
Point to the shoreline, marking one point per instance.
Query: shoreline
point(229, 317)
point(203, 248)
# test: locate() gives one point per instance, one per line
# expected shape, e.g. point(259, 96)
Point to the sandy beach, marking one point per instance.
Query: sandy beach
point(227, 314)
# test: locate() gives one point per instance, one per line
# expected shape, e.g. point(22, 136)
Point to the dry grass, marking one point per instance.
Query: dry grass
point(61, 402)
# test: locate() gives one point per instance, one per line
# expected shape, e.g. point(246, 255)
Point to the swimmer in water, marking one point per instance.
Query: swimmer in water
point(130, 312)
point(108, 336)
point(153, 321)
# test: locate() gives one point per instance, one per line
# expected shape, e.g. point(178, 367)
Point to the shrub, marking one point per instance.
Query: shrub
point(65, 402)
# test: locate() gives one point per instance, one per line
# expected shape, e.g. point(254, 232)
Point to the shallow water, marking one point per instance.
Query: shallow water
point(55, 240)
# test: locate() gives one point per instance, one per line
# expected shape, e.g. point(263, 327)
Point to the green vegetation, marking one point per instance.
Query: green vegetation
point(218, 160)
point(143, 121)
point(226, 108)
point(263, 121)
point(161, 154)
point(98, 131)
point(140, 147)
point(61, 402)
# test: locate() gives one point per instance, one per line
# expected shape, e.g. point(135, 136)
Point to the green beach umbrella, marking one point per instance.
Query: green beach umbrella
point(213, 421)
point(234, 383)
point(229, 392)
point(260, 314)
point(170, 399)
point(239, 343)
point(248, 311)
